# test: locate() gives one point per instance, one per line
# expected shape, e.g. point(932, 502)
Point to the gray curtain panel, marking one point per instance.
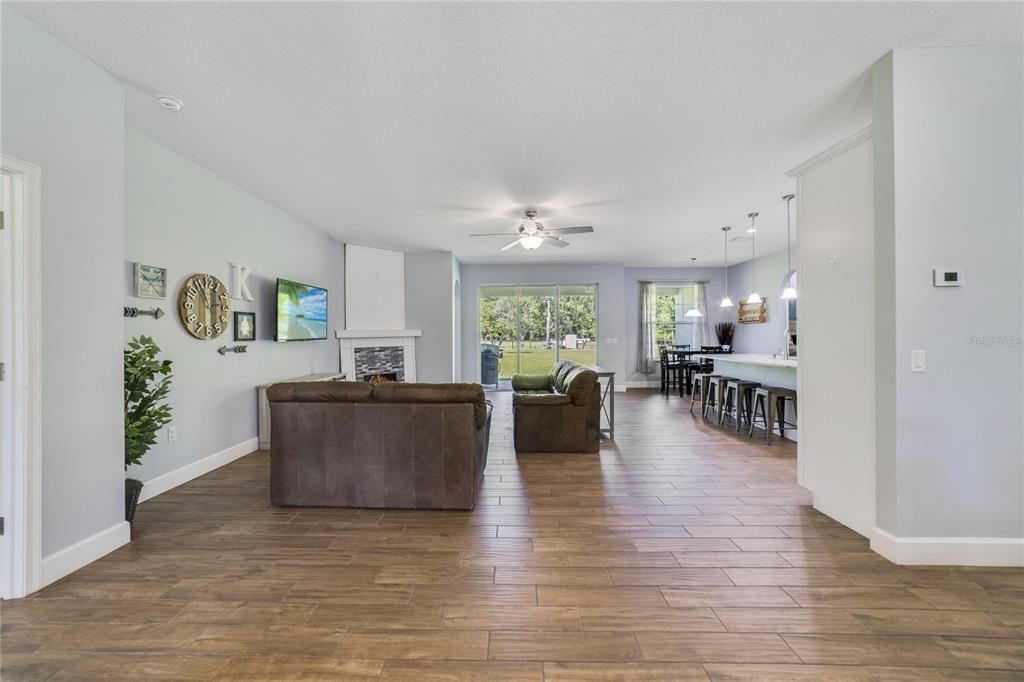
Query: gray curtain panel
point(701, 326)
point(646, 347)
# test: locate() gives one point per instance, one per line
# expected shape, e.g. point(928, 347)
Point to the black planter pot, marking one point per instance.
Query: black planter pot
point(132, 490)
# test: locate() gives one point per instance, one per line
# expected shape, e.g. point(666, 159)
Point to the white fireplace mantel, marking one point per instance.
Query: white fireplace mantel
point(350, 339)
point(376, 334)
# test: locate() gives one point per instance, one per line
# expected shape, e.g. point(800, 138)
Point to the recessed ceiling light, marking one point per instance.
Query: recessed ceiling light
point(169, 103)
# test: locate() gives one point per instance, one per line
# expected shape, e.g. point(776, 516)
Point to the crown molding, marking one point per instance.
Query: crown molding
point(832, 152)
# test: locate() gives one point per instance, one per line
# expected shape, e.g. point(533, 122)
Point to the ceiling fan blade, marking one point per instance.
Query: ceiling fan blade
point(509, 245)
point(490, 234)
point(555, 241)
point(571, 230)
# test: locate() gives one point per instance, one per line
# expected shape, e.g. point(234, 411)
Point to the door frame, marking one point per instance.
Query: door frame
point(21, 449)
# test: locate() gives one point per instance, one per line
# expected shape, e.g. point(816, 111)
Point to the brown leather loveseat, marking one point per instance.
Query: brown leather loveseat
point(557, 412)
point(395, 445)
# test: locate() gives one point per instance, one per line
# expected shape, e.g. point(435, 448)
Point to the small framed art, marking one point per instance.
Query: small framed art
point(245, 326)
point(150, 281)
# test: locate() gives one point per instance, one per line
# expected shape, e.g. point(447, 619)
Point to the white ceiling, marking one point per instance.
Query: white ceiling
point(410, 125)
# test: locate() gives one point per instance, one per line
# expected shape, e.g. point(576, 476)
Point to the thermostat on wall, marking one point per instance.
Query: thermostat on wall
point(947, 278)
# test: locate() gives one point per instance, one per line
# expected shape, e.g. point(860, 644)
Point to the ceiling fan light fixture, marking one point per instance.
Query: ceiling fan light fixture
point(531, 241)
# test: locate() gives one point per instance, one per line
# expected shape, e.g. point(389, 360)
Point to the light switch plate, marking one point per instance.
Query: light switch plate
point(172, 433)
point(917, 361)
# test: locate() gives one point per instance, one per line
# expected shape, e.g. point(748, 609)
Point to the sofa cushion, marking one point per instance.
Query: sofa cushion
point(560, 372)
point(531, 382)
point(395, 392)
point(579, 384)
point(541, 399)
point(320, 392)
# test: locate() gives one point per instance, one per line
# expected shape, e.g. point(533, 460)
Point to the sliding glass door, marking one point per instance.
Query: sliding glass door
point(527, 328)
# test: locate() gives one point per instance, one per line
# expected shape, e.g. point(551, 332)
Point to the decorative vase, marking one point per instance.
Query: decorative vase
point(132, 490)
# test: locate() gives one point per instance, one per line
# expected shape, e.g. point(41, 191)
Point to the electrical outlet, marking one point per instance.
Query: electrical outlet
point(172, 433)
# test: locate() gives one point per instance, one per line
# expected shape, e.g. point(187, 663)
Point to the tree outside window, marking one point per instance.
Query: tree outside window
point(672, 328)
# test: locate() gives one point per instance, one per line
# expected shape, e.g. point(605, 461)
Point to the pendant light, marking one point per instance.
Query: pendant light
point(726, 301)
point(753, 298)
point(693, 312)
point(789, 292)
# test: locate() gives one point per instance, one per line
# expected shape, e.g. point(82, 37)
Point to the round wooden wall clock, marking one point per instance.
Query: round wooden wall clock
point(203, 305)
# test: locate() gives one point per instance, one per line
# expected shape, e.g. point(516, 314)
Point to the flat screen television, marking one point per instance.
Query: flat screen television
point(301, 312)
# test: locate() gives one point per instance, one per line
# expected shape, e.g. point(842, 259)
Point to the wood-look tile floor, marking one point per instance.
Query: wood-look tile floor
point(681, 552)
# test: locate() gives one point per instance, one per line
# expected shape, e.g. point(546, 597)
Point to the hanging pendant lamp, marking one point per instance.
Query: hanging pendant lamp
point(789, 292)
point(754, 297)
point(726, 301)
point(693, 312)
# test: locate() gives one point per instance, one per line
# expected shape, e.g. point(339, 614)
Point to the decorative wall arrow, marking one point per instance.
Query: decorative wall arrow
point(155, 313)
point(224, 350)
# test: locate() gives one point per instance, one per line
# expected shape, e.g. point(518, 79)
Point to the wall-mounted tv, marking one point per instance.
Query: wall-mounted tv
point(301, 312)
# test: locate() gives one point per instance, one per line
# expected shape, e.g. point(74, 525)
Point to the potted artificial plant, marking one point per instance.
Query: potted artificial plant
point(147, 381)
point(724, 331)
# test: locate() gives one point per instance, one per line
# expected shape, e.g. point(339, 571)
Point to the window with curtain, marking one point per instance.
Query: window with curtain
point(663, 321)
point(672, 328)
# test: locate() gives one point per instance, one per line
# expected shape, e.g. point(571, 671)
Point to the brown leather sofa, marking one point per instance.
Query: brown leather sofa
point(557, 412)
point(396, 445)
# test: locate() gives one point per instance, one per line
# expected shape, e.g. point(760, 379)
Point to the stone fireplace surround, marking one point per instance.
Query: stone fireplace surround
point(377, 347)
point(371, 361)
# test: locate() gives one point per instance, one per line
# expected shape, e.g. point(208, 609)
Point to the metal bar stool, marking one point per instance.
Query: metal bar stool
point(691, 368)
point(770, 402)
point(716, 392)
point(699, 392)
point(738, 400)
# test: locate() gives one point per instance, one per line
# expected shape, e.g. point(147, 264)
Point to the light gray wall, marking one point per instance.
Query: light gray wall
point(767, 337)
point(65, 114)
point(456, 320)
point(887, 480)
point(958, 164)
point(429, 308)
point(189, 220)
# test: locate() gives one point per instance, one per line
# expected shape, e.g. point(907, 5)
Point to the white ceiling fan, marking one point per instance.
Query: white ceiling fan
point(530, 234)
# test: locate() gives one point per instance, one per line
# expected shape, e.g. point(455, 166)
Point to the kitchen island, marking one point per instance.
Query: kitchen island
point(764, 369)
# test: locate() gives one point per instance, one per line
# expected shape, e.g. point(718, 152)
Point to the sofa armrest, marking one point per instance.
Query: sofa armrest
point(531, 382)
point(545, 399)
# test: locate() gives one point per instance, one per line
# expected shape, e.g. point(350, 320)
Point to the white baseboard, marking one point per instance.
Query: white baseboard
point(643, 384)
point(918, 551)
point(70, 559)
point(172, 479)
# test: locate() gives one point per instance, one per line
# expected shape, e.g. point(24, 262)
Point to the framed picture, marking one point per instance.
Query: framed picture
point(150, 281)
point(751, 313)
point(245, 326)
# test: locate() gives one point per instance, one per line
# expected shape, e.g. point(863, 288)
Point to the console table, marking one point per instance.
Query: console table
point(607, 388)
point(264, 404)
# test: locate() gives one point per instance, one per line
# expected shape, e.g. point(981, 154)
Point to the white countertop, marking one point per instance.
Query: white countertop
point(750, 359)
